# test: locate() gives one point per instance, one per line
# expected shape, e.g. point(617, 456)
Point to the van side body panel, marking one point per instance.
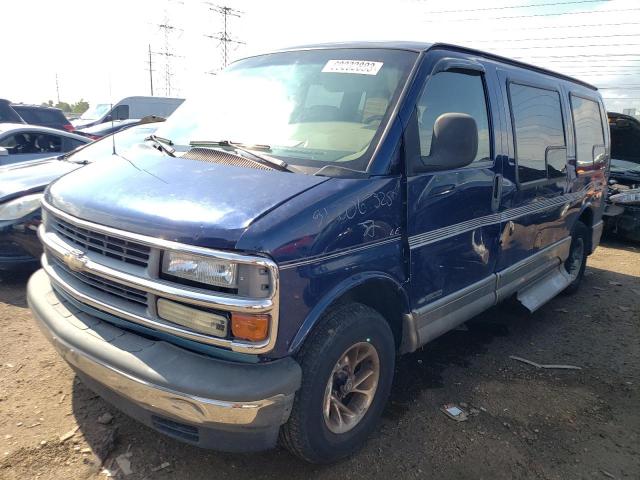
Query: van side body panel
point(454, 242)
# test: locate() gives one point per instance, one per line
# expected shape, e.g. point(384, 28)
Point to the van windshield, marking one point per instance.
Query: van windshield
point(96, 112)
point(311, 107)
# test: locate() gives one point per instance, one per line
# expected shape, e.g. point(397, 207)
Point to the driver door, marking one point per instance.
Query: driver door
point(452, 223)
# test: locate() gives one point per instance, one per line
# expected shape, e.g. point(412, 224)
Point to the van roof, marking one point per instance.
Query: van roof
point(424, 46)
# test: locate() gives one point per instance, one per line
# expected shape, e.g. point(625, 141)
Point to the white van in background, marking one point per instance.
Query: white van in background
point(128, 107)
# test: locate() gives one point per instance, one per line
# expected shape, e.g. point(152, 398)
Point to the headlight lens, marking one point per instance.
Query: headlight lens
point(20, 207)
point(198, 320)
point(628, 197)
point(201, 269)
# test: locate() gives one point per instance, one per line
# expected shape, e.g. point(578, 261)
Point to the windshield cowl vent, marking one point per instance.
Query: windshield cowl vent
point(212, 155)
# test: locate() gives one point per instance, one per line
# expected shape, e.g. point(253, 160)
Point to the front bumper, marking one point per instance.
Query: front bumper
point(197, 399)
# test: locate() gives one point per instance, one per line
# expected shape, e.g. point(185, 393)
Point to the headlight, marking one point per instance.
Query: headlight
point(628, 197)
point(193, 318)
point(200, 269)
point(20, 207)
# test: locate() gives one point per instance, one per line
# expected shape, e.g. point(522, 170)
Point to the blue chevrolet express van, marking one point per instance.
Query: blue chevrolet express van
point(251, 273)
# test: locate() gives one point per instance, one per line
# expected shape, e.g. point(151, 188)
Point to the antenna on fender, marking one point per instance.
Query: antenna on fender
point(113, 136)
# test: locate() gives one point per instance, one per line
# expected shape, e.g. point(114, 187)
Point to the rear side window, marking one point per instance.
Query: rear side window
point(588, 125)
point(7, 114)
point(539, 132)
point(72, 144)
point(452, 92)
point(37, 116)
point(32, 143)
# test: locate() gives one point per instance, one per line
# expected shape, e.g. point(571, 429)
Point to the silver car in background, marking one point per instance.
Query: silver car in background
point(22, 143)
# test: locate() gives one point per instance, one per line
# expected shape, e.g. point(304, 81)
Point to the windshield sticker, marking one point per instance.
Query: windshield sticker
point(362, 67)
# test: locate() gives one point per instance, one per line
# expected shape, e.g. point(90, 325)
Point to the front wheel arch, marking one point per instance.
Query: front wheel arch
point(377, 290)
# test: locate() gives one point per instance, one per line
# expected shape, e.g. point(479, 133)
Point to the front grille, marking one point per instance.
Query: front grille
point(104, 285)
point(107, 245)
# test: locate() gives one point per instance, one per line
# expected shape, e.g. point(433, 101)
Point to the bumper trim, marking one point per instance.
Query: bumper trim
point(160, 379)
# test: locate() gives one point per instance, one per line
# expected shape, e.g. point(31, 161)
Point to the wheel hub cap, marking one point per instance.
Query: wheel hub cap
point(351, 387)
point(574, 262)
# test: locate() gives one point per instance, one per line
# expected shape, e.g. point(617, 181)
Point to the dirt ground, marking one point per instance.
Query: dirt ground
point(529, 423)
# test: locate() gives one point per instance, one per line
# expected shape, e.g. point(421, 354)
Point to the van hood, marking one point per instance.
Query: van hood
point(176, 199)
point(31, 177)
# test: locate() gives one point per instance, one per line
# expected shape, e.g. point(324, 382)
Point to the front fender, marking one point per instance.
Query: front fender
point(339, 291)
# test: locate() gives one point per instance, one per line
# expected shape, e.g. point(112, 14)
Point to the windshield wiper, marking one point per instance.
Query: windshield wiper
point(65, 156)
point(248, 149)
point(162, 144)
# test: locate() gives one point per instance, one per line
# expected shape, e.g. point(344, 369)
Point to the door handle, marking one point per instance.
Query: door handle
point(497, 193)
point(442, 189)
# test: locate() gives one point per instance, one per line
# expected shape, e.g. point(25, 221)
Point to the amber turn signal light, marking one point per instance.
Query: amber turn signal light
point(250, 327)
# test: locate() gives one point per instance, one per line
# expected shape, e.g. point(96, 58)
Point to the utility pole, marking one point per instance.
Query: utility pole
point(224, 36)
point(57, 88)
point(150, 70)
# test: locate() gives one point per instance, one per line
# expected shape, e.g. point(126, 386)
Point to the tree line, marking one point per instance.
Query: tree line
point(78, 107)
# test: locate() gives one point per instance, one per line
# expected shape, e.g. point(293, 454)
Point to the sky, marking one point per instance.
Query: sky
point(99, 50)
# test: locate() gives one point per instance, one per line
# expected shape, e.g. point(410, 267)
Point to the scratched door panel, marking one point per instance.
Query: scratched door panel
point(452, 232)
point(451, 223)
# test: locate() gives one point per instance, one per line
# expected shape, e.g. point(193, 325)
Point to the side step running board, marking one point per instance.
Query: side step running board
point(543, 290)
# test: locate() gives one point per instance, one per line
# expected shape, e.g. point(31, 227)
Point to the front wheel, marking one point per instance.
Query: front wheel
point(577, 260)
point(347, 367)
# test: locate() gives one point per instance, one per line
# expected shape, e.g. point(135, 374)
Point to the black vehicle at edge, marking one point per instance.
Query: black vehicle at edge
point(622, 212)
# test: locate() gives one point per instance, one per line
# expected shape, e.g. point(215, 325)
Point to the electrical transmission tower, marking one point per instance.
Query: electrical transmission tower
point(224, 36)
point(168, 31)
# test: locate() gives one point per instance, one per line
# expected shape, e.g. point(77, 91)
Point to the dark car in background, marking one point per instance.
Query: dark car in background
point(8, 114)
point(622, 213)
point(44, 116)
point(21, 188)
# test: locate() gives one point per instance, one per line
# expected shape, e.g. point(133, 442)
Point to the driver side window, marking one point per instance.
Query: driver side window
point(453, 92)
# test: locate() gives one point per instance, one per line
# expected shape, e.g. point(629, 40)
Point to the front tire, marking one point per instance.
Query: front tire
point(347, 371)
point(577, 260)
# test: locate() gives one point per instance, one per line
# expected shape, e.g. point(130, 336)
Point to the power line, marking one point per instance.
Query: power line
point(591, 66)
point(586, 55)
point(557, 38)
point(564, 27)
point(577, 46)
point(520, 6)
point(582, 61)
point(587, 12)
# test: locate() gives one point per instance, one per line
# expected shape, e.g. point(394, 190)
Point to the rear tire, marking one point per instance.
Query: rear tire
point(577, 260)
point(318, 431)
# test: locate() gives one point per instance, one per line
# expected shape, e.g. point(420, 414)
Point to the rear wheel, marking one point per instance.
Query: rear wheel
point(577, 260)
point(347, 366)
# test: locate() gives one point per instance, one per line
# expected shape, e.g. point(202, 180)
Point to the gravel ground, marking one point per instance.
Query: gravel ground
point(529, 423)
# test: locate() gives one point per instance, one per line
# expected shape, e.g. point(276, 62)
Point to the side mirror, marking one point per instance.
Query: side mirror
point(454, 143)
point(108, 118)
point(4, 152)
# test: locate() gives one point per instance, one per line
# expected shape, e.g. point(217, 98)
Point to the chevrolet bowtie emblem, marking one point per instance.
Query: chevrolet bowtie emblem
point(75, 260)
